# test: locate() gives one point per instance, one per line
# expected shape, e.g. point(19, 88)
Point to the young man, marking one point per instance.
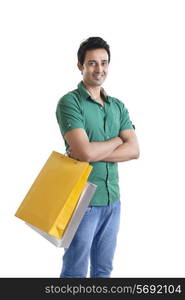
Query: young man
point(96, 128)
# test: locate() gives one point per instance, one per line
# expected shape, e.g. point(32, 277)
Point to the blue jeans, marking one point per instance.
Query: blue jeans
point(94, 240)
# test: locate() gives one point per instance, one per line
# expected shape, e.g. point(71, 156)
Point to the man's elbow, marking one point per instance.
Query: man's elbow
point(136, 154)
point(85, 155)
point(88, 156)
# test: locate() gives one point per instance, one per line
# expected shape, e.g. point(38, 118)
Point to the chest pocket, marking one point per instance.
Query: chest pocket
point(112, 121)
point(93, 121)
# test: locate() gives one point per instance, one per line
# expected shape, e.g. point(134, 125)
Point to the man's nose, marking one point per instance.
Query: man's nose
point(98, 68)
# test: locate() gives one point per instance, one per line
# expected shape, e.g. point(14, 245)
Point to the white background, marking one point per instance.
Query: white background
point(39, 41)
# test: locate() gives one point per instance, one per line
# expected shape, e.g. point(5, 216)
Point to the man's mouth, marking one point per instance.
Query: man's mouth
point(98, 77)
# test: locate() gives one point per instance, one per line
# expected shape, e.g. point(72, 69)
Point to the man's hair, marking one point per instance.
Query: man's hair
point(90, 44)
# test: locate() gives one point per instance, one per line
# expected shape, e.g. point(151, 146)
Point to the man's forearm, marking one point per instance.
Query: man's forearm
point(124, 152)
point(100, 150)
point(96, 151)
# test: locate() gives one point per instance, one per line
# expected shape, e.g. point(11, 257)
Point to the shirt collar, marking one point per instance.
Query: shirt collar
point(84, 92)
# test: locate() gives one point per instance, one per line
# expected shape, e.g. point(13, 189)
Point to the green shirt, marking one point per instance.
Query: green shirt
point(77, 109)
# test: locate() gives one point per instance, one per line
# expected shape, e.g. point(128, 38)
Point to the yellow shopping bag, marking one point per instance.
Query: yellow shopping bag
point(54, 194)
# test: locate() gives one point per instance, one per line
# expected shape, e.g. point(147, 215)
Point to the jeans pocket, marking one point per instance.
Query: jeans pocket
point(88, 210)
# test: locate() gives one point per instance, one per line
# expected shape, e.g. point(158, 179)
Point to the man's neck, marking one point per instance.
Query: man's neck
point(95, 92)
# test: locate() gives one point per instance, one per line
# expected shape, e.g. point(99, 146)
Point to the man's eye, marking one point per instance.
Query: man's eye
point(92, 63)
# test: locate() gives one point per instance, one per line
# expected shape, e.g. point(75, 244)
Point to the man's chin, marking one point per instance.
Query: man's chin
point(93, 82)
point(97, 82)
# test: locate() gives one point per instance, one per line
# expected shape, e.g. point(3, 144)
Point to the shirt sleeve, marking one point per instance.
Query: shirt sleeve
point(68, 114)
point(126, 123)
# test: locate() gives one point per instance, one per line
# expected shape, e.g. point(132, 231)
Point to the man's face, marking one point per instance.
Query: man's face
point(95, 67)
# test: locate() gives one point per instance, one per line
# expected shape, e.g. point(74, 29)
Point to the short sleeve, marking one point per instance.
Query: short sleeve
point(68, 114)
point(126, 123)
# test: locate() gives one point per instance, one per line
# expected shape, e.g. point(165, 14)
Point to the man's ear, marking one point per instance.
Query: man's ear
point(80, 67)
